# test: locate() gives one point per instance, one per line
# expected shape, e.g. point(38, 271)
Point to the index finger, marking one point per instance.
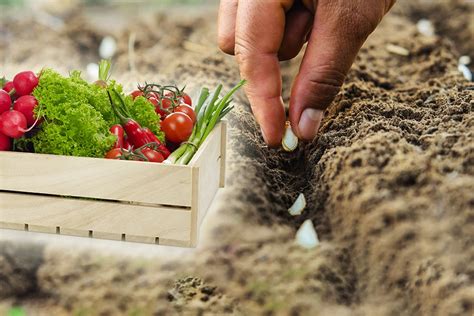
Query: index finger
point(260, 27)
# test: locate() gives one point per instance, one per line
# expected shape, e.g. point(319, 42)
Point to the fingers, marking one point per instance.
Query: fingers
point(226, 25)
point(298, 24)
point(259, 33)
point(337, 35)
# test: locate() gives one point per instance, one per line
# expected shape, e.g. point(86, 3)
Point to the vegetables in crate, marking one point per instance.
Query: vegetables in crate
point(52, 114)
point(210, 110)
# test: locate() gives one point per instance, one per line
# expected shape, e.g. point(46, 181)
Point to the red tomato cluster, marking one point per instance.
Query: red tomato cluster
point(17, 107)
point(176, 113)
point(177, 122)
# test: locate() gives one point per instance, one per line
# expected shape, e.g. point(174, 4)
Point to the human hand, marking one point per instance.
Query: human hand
point(262, 32)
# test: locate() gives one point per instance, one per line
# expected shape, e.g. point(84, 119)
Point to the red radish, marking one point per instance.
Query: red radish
point(25, 82)
point(13, 124)
point(26, 104)
point(8, 87)
point(5, 143)
point(5, 101)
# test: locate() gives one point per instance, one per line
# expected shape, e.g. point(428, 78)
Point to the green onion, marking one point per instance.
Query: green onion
point(209, 111)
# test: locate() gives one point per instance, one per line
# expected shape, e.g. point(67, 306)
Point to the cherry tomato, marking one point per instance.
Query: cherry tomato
point(152, 155)
point(115, 153)
point(185, 98)
point(153, 94)
point(25, 82)
point(186, 109)
point(137, 93)
point(163, 109)
point(177, 127)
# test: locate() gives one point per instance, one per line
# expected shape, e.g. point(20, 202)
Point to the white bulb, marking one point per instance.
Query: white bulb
point(289, 141)
point(298, 206)
point(425, 27)
point(108, 47)
point(92, 72)
point(306, 235)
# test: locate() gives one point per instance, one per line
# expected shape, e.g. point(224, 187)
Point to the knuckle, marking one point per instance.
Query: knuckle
point(324, 84)
point(359, 23)
point(243, 48)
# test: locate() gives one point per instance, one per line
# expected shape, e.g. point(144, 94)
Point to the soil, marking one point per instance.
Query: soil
point(388, 182)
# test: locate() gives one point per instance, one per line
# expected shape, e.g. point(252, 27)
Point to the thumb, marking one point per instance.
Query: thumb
point(337, 35)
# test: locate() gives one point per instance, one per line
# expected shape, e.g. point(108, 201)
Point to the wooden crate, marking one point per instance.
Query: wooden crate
point(112, 199)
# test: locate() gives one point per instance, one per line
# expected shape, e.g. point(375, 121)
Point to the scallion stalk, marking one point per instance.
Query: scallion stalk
point(209, 111)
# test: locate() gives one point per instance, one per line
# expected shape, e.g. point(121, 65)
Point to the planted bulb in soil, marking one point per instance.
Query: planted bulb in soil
point(298, 206)
point(465, 60)
point(466, 72)
point(92, 71)
point(306, 235)
point(425, 27)
point(289, 141)
point(397, 50)
point(108, 47)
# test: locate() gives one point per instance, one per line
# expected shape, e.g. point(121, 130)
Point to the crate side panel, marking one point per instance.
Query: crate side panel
point(96, 178)
point(209, 164)
point(78, 217)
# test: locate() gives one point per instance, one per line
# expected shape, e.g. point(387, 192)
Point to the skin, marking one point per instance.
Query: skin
point(260, 33)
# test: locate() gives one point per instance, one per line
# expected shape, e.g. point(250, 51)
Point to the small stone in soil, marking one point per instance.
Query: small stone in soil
point(306, 235)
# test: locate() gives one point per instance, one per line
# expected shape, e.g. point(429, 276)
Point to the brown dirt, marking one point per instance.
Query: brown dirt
point(388, 181)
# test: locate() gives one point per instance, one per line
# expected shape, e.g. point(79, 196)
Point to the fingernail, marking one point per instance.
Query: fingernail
point(309, 123)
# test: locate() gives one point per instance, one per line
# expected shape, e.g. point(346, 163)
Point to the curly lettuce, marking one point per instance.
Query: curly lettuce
point(72, 125)
point(144, 113)
point(77, 116)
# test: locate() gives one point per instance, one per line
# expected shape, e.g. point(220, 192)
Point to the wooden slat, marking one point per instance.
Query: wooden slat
point(96, 178)
point(208, 161)
point(223, 153)
point(105, 219)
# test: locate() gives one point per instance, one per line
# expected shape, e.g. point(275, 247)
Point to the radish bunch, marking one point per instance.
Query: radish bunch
point(17, 108)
